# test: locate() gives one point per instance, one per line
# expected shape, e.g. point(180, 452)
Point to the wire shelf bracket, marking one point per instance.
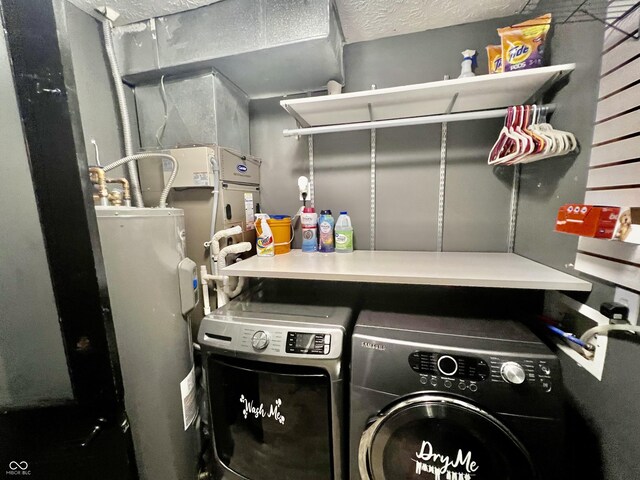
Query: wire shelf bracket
point(576, 11)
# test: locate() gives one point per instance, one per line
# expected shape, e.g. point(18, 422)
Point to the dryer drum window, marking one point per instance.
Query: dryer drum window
point(437, 437)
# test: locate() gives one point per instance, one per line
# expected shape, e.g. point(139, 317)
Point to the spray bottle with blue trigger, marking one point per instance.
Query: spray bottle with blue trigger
point(469, 62)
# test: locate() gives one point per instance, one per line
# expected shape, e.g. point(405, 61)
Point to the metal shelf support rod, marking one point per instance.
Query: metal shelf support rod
point(402, 122)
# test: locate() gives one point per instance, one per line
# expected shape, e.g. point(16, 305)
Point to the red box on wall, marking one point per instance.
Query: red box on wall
point(588, 220)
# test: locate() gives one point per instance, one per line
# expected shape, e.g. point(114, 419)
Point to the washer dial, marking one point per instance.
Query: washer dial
point(260, 340)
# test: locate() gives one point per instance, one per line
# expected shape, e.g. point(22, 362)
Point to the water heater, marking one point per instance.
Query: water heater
point(151, 289)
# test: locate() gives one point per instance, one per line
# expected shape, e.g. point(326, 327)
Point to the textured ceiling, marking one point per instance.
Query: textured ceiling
point(361, 19)
point(135, 10)
point(371, 19)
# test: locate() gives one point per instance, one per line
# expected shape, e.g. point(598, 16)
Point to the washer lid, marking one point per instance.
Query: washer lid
point(436, 437)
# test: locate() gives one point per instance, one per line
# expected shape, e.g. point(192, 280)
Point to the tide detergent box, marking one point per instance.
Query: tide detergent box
point(597, 221)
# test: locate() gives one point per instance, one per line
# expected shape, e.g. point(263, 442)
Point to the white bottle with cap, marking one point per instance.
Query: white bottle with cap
point(309, 220)
point(344, 234)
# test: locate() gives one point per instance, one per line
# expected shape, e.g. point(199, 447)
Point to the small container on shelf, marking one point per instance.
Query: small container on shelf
point(309, 221)
point(344, 234)
point(325, 227)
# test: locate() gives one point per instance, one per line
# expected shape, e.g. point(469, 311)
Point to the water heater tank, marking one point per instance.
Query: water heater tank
point(143, 250)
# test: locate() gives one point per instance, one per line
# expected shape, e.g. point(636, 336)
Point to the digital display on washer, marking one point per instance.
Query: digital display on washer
point(308, 343)
point(304, 340)
point(455, 366)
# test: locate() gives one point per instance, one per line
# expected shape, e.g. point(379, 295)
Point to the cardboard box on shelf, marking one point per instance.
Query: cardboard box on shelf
point(598, 221)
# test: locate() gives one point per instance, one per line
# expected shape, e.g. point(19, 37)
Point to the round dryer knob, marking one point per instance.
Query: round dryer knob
point(260, 340)
point(447, 365)
point(512, 372)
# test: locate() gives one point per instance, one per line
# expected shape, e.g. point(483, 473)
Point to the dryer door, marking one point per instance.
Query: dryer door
point(436, 437)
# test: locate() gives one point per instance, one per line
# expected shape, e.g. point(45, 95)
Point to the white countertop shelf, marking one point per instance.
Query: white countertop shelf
point(482, 92)
point(464, 269)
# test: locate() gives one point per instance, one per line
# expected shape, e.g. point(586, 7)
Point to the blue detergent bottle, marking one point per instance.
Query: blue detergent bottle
point(325, 231)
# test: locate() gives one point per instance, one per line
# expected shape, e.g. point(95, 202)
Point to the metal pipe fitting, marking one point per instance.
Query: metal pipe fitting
point(97, 177)
point(126, 191)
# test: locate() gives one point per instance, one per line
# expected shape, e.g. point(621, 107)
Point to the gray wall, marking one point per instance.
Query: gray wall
point(477, 198)
point(606, 415)
point(608, 411)
point(547, 185)
point(33, 368)
point(96, 95)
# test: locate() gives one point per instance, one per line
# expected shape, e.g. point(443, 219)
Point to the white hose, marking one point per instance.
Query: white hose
point(214, 244)
point(232, 249)
point(142, 156)
point(222, 262)
point(132, 168)
point(605, 329)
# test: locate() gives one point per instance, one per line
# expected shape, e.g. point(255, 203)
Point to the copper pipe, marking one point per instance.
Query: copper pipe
point(97, 176)
point(126, 191)
point(115, 198)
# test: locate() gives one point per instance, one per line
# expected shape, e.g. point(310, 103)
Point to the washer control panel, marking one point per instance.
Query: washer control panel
point(282, 341)
point(308, 343)
point(316, 337)
point(463, 372)
point(449, 365)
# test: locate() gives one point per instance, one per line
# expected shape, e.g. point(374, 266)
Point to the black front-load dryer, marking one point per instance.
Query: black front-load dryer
point(441, 398)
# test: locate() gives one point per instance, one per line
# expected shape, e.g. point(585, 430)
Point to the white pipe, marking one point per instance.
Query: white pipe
point(605, 329)
point(142, 156)
point(205, 289)
point(221, 298)
point(223, 289)
point(214, 246)
point(132, 168)
point(401, 122)
point(214, 211)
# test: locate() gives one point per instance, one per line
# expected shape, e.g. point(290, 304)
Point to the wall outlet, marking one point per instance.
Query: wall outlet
point(631, 300)
point(308, 193)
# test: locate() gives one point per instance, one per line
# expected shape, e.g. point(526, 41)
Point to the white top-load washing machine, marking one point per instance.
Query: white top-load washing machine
point(276, 374)
point(450, 398)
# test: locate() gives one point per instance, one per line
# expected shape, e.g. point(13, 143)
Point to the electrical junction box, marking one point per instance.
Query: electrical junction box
point(193, 191)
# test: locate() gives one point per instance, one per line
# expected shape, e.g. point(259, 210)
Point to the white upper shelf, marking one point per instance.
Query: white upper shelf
point(465, 269)
point(472, 94)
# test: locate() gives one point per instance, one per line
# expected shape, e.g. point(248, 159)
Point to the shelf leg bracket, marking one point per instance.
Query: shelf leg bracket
point(372, 214)
point(372, 218)
point(611, 25)
point(515, 195)
point(443, 174)
point(452, 103)
point(311, 173)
